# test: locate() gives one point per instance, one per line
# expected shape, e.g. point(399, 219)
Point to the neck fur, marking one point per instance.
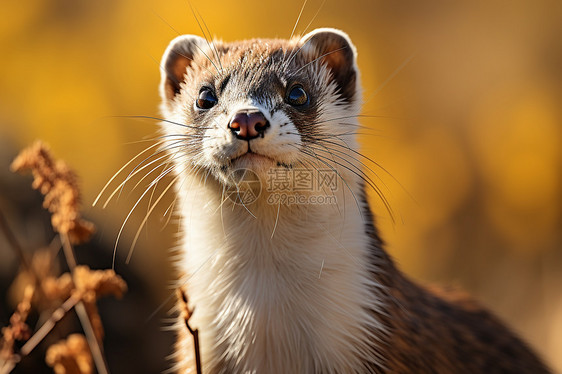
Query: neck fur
point(277, 287)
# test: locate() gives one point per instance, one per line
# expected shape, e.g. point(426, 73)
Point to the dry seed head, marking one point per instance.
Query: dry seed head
point(98, 283)
point(70, 356)
point(59, 184)
point(17, 330)
point(90, 285)
point(58, 288)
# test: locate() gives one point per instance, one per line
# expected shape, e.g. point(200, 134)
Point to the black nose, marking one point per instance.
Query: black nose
point(248, 125)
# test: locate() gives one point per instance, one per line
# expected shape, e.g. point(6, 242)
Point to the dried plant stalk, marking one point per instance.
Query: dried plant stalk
point(46, 328)
point(87, 286)
point(59, 184)
point(13, 241)
point(91, 285)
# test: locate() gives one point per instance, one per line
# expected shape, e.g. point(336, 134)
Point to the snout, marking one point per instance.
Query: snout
point(248, 124)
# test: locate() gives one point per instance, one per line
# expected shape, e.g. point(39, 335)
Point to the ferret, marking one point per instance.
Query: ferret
point(283, 278)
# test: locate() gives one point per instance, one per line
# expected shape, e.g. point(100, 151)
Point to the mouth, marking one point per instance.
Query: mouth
point(253, 157)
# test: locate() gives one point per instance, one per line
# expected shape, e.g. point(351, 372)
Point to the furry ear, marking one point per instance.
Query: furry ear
point(334, 49)
point(175, 62)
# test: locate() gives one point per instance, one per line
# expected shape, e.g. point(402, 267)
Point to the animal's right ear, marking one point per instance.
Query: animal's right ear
point(176, 60)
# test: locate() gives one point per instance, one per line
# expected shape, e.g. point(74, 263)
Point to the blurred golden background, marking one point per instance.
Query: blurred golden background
point(466, 99)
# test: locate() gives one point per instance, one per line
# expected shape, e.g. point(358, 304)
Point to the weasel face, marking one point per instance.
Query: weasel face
point(258, 104)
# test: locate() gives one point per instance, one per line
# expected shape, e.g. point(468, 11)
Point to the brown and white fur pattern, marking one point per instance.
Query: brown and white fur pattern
point(303, 288)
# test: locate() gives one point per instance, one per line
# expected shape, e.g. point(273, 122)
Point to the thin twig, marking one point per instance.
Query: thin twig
point(40, 334)
point(68, 252)
point(13, 241)
point(7, 366)
point(55, 246)
point(194, 332)
point(46, 328)
point(11, 237)
point(95, 346)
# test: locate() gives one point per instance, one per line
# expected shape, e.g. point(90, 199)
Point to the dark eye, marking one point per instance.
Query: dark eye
point(297, 96)
point(206, 99)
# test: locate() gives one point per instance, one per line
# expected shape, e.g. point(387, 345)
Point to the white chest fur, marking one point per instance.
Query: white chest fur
point(296, 301)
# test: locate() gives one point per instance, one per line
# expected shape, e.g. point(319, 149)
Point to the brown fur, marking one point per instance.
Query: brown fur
point(432, 335)
point(442, 330)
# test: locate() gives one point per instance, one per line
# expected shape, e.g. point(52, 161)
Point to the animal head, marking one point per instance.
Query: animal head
point(261, 104)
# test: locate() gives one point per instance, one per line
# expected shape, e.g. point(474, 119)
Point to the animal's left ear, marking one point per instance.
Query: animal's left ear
point(334, 49)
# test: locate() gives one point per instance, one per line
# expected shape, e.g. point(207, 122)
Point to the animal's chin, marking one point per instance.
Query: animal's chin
point(256, 163)
point(252, 160)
